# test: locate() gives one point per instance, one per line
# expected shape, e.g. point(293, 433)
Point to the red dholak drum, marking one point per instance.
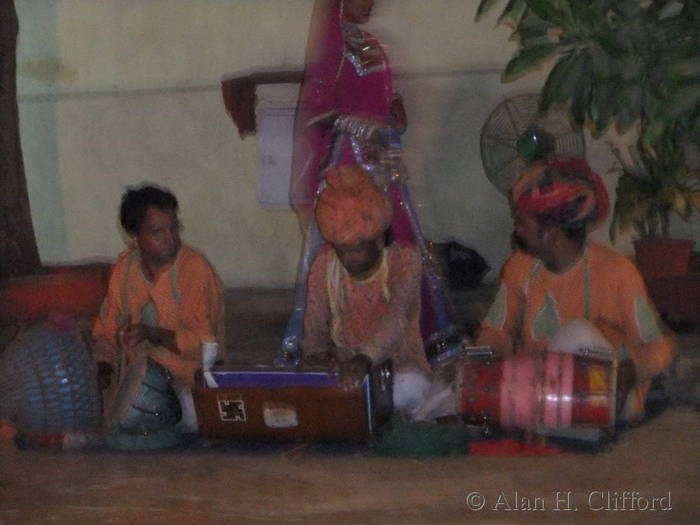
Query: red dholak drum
point(540, 392)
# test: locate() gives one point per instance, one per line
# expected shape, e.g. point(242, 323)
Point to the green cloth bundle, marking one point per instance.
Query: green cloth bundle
point(400, 438)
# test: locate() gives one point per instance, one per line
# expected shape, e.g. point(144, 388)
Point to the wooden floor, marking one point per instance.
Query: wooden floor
point(346, 484)
point(289, 484)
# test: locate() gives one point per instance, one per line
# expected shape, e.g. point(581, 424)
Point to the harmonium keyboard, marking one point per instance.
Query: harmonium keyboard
point(297, 404)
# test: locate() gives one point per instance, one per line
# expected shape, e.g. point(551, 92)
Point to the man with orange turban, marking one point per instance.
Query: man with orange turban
point(557, 282)
point(363, 301)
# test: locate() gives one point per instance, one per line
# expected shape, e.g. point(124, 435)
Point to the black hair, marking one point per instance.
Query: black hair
point(388, 237)
point(137, 200)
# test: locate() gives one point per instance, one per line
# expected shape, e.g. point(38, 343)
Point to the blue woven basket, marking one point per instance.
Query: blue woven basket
point(48, 381)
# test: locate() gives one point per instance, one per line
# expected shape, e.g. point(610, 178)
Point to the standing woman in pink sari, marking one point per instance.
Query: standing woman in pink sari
point(346, 101)
point(348, 114)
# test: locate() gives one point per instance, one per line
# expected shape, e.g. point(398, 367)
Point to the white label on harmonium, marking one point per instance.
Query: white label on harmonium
point(280, 416)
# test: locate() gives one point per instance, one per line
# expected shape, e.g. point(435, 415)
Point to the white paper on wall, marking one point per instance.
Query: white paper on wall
point(275, 128)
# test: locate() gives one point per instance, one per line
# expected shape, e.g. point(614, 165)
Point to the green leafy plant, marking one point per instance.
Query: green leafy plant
point(621, 63)
point(653, 187)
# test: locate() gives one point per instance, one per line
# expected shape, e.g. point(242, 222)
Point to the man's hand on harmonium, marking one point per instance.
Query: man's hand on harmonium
point(353, 371)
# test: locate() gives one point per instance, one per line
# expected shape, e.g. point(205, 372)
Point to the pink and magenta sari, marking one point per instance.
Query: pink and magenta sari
point(335, 86)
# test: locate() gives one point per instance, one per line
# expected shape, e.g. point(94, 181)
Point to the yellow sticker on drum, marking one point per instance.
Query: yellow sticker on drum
point(597, 380)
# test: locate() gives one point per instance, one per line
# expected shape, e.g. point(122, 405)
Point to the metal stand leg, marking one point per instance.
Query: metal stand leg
point(290, 354)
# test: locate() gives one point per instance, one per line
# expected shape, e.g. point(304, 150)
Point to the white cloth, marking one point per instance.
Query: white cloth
point(410, 389)
point(420, 399)
point(577, 335)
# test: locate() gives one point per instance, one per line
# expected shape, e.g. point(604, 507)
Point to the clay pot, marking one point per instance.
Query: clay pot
point(658, 257)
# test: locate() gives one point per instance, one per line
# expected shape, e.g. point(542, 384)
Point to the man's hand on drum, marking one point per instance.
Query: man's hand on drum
point(352, 372)
point(130, 334)
point(626, 379)
point(162, 337)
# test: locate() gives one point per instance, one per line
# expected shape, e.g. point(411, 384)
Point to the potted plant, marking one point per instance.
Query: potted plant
point(650, 189)
point(622, 63)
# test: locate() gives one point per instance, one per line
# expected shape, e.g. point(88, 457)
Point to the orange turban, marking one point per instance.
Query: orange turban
point(352, 208)
point(565, 189)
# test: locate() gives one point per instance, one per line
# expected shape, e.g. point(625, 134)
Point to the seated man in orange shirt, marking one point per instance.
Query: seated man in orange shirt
point(363, 299)
point(557, 282)
point(164, 298)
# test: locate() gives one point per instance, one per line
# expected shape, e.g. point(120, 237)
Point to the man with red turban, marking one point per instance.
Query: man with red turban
point(559, 289)
point(363, 301)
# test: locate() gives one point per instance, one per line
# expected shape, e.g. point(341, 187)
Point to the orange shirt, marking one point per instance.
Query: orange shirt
point(185, 298)
point(378, 316)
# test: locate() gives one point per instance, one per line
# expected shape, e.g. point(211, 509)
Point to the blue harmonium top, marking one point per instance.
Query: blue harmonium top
point(274, 379)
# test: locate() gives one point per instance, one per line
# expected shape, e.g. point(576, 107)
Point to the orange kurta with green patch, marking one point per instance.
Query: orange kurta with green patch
point(603, 287)
point(185, 298)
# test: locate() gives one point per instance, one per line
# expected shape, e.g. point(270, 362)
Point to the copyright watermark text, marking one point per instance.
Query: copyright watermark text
point(570, 501)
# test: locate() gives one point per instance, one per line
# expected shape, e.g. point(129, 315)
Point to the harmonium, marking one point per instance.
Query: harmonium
point(291, 404)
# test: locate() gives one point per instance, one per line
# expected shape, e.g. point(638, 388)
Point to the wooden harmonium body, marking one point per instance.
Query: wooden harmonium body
point(284, 405)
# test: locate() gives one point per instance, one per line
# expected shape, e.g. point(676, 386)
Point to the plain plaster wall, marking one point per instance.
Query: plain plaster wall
point(116, 92)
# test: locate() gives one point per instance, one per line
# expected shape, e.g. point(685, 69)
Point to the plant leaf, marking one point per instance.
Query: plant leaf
point(513, 13)
point(531, 25)
point(566, 12)
point(684, 70)
point(669, 110)
point(535, 41)
point(601, 108)
point(614, 228)
point(585, 14)
point(628, 100)
point(609, 43)
point(560, 83)
point(581, 100)
point(484, 7)
point(681, 206)
point(695, 199)
point(527, 59)
point(545, 9)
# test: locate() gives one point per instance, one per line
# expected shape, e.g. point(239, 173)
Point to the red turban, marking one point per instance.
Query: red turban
point(352, 208)
point(565, 189)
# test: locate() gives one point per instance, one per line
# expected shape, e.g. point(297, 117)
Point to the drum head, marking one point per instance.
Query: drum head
point(127, 392)
point(145, 401)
